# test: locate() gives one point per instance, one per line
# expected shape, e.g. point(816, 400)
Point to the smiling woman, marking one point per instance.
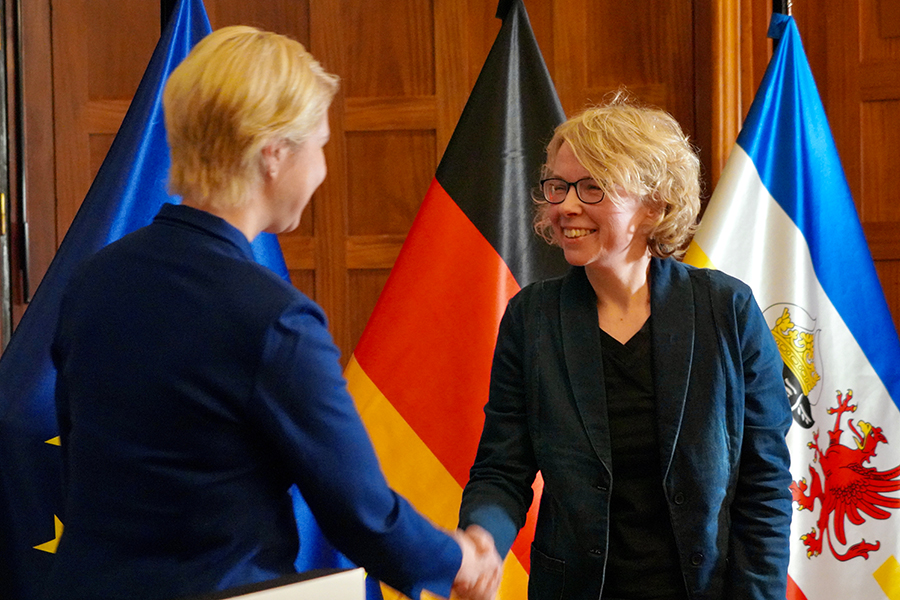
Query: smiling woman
point(617, 382)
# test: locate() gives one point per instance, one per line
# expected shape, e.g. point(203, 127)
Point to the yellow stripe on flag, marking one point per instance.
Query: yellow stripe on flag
point(697, 257)
point(429, 486)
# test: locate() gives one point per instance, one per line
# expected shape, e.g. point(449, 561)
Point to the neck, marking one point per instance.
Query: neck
point(624, 288)
point(623, 298)
point(246, 217)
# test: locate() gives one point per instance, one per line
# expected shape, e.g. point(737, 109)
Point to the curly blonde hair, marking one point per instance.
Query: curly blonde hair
point(643, 151)
point(239, 89)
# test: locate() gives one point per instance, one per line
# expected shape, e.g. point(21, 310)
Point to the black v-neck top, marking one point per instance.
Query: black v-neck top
point(642, 558)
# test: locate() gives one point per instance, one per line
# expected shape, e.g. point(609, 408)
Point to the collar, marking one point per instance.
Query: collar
point(208, 223)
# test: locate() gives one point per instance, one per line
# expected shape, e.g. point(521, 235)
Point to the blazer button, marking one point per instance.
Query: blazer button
point(696, 559)
point(679, 498)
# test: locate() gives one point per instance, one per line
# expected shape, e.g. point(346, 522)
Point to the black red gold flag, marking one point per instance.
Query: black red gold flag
point(421, 370)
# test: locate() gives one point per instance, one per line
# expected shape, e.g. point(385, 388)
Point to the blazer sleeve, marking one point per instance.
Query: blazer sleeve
point(499, 494)
point(302, 403)
point(759, 547)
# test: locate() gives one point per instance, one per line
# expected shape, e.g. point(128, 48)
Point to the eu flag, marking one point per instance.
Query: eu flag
point(127, 193)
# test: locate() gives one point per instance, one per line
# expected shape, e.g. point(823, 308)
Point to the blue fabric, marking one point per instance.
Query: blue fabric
point(125, 195)
point(195, 386)
point(787, 137)
point(722, 417)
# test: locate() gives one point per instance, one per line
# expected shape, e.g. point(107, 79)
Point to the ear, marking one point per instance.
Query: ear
point(652, 216)
point(273, 154)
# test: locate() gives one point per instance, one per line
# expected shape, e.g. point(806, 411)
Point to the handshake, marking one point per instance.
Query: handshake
point(479, 575)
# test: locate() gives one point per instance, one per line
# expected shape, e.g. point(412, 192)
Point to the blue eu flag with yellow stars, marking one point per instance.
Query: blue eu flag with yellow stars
point(128, 191)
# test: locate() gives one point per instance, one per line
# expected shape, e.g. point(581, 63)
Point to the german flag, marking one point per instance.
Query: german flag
point(420, 373)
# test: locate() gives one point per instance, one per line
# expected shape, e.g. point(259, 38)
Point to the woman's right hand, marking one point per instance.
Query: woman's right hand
point(482, 568)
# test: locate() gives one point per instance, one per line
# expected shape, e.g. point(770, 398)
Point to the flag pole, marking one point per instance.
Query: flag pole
point(166, 8)
point(782, 6)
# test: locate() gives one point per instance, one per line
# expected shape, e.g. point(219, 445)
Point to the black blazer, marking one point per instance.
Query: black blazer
point(722, 418)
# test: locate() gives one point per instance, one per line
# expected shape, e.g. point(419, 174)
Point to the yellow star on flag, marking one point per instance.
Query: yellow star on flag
point(52, 544)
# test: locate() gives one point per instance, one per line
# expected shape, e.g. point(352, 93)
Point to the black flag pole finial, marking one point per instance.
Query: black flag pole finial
point(166, 8)
point(782, 6)
point(503, 8)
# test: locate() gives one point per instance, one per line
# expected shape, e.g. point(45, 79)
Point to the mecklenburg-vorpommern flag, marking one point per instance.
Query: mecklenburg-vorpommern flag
point(782, 219)
point(126, 194)
point(421, 370)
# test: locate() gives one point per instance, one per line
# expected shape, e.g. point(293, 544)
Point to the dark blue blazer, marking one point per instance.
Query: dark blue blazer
point(722, 418)
point(194, 388)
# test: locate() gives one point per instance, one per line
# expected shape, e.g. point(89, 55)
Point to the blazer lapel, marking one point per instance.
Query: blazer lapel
point(584, 363)
point(672, 310)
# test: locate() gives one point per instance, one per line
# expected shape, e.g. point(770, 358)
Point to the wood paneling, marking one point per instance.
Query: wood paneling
point(288, 17)
point(389, 173)
point(330, 212)
point(99, 144)
point(100, 51)
point(392, 45)
point(889, 273)
point(880, 147)
point(407, 67)
point(365, 286)
point(648, 48)
point(725, 110)
point(888, 18)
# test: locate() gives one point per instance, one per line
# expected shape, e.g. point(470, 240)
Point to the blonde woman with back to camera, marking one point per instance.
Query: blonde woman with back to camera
point(196, 386)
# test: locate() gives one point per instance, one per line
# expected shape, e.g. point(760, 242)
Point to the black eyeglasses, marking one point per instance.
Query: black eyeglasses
point(555, 190)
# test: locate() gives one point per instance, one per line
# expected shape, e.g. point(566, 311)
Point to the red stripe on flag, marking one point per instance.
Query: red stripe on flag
point(793, 591)
point(429, 342)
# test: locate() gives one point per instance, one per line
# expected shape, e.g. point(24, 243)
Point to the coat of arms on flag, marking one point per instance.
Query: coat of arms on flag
point(782, 219)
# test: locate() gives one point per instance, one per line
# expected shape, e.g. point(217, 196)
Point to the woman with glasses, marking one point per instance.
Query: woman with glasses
point(646, 392)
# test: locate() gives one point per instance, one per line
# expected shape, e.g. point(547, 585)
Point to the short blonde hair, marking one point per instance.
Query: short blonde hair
point(239, 89)
point(643, 151)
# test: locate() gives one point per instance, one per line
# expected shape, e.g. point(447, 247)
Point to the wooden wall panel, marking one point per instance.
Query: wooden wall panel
point(365, 287)
point(889, 273)
point(329, 213)
point(407, 67)
point(880, 147)
point(99, 144)
point(880, 40)
point(288, 17)
point(392, 45)
point(390, 119)
point(93, 85)
point(389, 173)
point(116, 75)
point(649, 50)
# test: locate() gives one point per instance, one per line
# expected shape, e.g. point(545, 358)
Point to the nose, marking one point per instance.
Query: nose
point(571, 204)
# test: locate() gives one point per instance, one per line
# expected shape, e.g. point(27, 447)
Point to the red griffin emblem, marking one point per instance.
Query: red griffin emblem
point(850, 489)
